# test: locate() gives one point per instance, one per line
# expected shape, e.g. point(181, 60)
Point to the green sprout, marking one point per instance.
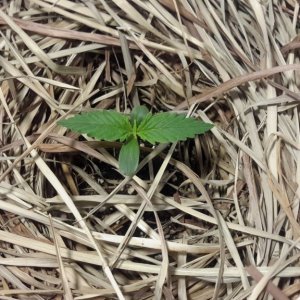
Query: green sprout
point(111, 126)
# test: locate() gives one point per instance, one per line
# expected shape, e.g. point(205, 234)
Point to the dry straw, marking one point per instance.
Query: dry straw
point(216, 217)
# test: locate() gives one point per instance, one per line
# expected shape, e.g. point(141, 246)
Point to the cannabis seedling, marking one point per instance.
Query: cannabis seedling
point(110, 125)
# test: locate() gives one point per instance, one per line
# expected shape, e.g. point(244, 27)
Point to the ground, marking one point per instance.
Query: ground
point(212, 217)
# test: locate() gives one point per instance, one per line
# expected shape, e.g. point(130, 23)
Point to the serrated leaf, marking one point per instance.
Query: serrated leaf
point(138, 114)
point(129, 157)
point(170, 127)
point(104, 125)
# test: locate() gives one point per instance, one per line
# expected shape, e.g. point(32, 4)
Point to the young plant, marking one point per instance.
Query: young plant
point(110, 125)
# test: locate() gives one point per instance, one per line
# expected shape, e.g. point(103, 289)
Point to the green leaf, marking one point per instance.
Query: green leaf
point(170, 127)
point(104, 125)
point(138, 113)
point(129, 157)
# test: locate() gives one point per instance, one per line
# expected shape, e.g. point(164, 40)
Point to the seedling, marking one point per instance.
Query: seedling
point(110, 125)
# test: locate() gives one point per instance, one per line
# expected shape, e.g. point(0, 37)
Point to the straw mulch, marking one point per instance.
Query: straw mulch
point(215, 217)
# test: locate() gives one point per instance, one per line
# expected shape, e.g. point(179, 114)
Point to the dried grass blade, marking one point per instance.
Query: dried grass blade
point(67, 291)
point(236, 82)
point(38, 51)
